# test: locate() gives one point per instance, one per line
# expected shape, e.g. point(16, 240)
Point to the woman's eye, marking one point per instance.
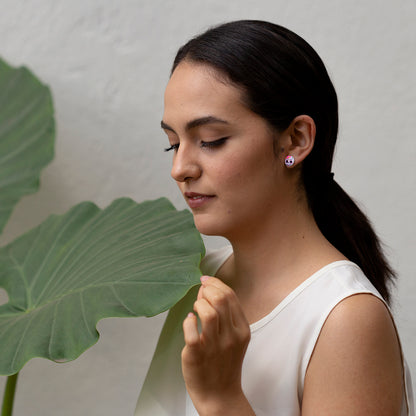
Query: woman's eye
point(215, 143)
point(172, 147)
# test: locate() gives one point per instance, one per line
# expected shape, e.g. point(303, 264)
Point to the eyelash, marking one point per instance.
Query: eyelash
point(173, 147)
point(209, 145)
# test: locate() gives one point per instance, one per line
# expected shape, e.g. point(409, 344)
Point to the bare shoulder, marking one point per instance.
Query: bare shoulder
point(356, 367)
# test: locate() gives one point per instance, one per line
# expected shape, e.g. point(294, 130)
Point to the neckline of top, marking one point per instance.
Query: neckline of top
point(297, 291)
point(225, 252)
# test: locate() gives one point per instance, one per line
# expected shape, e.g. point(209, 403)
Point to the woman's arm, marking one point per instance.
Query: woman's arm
point(212, 359)
point(356, 367)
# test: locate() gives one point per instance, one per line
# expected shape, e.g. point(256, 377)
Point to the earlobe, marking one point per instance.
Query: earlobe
point(302, 133)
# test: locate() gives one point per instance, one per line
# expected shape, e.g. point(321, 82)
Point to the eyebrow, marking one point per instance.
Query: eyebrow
point(195, 123)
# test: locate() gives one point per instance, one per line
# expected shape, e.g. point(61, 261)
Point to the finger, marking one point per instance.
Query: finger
point(220, 301)
point(233, 332)
point(209, 321)
point(190, 331)
point(200, 292)
point(237, 314)
point(211, 280)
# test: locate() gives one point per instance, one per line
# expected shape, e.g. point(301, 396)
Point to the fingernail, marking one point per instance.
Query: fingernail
point(204, 279)
point(190, 314)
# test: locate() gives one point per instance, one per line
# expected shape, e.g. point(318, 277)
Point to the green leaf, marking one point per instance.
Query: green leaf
point(65, 275)
point(27, 132)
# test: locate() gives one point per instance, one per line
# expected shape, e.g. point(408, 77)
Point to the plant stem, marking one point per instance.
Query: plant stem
point(8, 398)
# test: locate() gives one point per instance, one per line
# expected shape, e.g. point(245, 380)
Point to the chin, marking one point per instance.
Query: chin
point(209, 226)
point(208, 230)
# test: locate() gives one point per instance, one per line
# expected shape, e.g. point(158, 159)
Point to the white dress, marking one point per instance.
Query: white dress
point(279, 351)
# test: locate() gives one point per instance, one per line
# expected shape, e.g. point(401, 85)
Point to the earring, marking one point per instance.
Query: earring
point(289, 161)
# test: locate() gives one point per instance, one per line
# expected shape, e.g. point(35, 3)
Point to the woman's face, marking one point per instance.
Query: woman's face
point(223, 155)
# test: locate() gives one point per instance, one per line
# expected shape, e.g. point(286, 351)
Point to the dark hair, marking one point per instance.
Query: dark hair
point(282, 77)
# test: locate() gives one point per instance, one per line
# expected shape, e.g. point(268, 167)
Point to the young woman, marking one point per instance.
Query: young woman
point(295, 320)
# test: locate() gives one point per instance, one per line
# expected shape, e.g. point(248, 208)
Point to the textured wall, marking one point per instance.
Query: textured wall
point(108, 62)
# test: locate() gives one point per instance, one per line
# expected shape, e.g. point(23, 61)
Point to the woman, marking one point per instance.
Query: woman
point(251, 118)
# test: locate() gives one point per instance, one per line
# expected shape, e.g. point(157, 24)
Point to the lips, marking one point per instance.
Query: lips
point(196, 200)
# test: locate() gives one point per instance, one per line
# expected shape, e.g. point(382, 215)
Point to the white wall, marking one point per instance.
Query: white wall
point(107, 63)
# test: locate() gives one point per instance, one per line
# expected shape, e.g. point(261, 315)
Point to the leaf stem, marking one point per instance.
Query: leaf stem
point(8, 398)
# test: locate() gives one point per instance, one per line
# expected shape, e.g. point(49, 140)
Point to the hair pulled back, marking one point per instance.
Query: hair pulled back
point(283, 77)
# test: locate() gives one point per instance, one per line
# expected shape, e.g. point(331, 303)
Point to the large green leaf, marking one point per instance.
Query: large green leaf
point(65, 275)
point(27, 133)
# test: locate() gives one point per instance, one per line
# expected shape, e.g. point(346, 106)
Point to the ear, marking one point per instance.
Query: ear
point(299, 138)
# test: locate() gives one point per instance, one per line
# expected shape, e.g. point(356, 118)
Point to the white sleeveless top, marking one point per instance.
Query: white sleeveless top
point(279, 351)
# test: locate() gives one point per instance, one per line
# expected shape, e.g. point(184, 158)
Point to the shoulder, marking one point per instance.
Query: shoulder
point(356, 365)
point(360, 313)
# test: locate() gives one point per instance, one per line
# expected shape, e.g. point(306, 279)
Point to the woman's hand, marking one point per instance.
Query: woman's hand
point(212, 359)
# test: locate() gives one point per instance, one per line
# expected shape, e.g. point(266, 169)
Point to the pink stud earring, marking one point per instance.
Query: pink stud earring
point(289, 161)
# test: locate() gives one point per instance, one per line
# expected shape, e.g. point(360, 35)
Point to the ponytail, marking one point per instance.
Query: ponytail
point(348, 229)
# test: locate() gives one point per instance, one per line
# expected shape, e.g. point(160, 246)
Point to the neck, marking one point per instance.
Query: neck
point(273, 257)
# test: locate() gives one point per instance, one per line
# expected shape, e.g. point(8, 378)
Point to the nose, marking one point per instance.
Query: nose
point(185, 165)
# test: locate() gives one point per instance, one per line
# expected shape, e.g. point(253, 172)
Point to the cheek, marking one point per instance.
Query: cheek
point(257, 169)
point(246, 183)
point(231, 175)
